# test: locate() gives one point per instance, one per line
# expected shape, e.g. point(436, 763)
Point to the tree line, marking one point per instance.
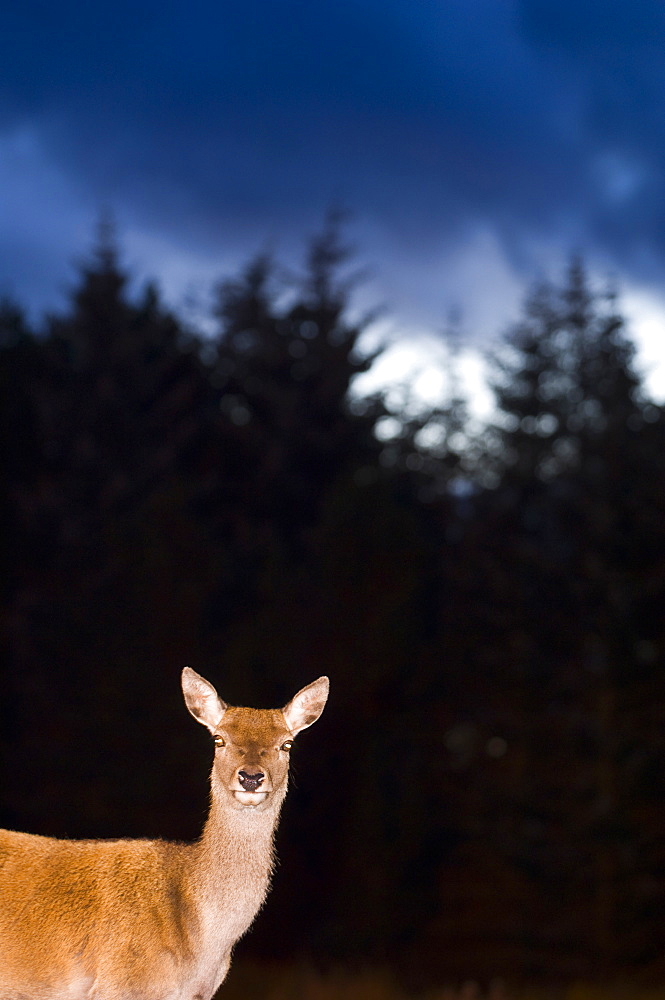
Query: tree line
point(484, 794)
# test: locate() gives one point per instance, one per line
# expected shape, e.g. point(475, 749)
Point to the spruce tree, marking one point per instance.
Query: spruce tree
point(118, 399)
point(580, 494)
point(286, 361)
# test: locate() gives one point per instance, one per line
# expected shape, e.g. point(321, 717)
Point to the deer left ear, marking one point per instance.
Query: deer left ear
point(306, 706)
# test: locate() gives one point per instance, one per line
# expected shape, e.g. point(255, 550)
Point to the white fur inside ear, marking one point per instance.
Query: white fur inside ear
point(201, 699)
point(306, 707)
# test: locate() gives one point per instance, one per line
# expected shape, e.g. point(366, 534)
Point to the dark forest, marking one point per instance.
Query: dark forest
point(484, 795)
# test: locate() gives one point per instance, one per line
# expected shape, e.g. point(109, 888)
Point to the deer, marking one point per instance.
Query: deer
point(134, 919)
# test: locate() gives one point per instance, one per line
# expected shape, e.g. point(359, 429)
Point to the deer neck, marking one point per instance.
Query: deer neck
point(225, 880)
point(234, 857)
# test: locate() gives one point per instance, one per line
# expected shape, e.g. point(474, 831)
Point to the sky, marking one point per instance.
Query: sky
point(476, 145)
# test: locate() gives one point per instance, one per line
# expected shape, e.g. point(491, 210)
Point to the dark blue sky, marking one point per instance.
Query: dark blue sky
point(477, 142)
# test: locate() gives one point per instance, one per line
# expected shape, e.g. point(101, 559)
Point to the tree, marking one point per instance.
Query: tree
point(580, 493)
point(288, 433)
point(567, 386)
point(117, 399)
point(285, 371)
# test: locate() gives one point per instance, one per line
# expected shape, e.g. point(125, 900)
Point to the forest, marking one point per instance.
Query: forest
point(483, 796)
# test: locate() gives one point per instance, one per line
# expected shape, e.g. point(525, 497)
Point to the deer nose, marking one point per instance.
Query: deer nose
point(250, 782)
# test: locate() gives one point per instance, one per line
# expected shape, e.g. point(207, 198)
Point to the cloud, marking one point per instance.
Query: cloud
point(601, 27)
point(44, 222)
point(476, 143)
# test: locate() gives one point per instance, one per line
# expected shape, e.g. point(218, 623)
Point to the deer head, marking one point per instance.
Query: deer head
point(252, 745)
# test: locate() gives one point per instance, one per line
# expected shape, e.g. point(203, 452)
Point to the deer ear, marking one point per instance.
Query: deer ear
point(307, 706)
point(202, 700)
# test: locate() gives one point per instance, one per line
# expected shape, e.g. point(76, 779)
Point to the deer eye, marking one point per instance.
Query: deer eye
point(219, 742)
point(287, 745)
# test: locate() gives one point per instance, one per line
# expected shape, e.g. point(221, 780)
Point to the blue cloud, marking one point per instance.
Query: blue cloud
point(223, 123)
point(594, 26)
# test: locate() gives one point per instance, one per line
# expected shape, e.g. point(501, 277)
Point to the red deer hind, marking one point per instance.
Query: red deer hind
point(151, 919)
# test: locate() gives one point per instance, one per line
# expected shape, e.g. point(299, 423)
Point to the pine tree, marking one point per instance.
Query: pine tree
point(288, 434)
point(285, 372)
point(581, 492)
point(119, 401)
point(568, 387)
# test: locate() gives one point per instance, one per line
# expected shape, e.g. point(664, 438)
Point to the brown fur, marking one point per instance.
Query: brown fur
point(150, 919)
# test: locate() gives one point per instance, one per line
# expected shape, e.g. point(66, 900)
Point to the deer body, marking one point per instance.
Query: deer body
point(151, 919)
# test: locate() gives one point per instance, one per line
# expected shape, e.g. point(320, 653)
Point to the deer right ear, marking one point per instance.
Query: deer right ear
point(202, 700)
